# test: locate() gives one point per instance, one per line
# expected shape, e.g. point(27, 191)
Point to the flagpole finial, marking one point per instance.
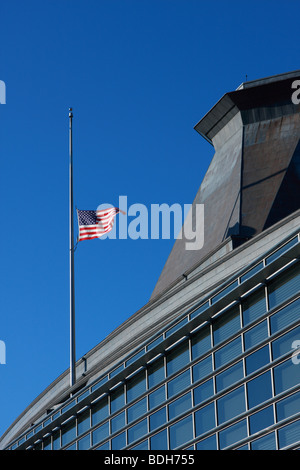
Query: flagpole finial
point(70, 112)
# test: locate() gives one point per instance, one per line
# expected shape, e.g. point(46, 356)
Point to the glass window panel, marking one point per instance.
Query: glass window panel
point(99, 384)
point(116, 371)
point(56, 440)
point(210, 443)
point(203, 392)
point(181, 432)
point(259, 389)
point(176, 327)
point(135, 357)
point(228, 352)
point(254, 306)
point(83, 395)
point(283, 344)
point(142, 446)
point(117, 422)
point(256, 335)
point(264, 443)
point(233, 434)
point(83, 422)
point(157, 397)
point(179, 383)
point(84, 443)
point(154, 343)
point(117, 399)
point(199, 310)
point(55, 415)
point(202, 368)
point(289, 434)
point(104, 446)
point(67, 407)
point(261, 420)
point(137, 410)
point(48, 421)
point(118, 442)
point(286, 375)
point(205, 419)
point(285, 316)
point(229, 376)
point(156, 372)
point(231, 405)
point(137, 431)
point(244, 447)
point(252, 271)
point(99, 411)
point(100, 433)
point(288, 407)
point(180, 405)
point(136, 386)
point(178, 358)
point(284, 286)
point(159, 441)
point(47, 444)
point(72, 447)
point(157, 419)
point(201, 342)
point(281, 250)
point(226, 325)
point(224, 292)
point(68, 433)
point(257, 359)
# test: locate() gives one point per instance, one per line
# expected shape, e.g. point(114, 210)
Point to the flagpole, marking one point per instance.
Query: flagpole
point(71, 256)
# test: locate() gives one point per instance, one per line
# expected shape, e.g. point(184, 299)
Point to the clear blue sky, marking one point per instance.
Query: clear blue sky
point(139, 75)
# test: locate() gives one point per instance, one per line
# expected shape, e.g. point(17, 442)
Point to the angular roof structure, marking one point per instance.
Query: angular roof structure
point(253, 180)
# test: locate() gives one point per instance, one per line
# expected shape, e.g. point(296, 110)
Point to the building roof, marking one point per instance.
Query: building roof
point(253, 180)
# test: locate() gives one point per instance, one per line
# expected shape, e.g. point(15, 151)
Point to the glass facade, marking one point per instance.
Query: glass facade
point(229, 382)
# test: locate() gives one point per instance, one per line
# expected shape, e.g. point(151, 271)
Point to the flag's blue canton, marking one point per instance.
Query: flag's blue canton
point(87, 218)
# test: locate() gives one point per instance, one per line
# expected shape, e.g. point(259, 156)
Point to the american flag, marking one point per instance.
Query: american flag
point(94, 224)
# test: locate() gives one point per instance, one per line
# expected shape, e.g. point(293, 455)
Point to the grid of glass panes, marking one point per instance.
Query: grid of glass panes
point(34, 430)
point(226, 383)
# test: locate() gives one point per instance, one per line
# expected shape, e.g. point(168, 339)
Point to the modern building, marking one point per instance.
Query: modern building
point(212, 361)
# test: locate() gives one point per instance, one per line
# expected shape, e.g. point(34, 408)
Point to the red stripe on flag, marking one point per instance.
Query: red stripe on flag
point(105, 224)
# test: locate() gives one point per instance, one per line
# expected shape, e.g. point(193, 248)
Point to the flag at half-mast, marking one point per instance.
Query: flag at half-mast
point(94, 224)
